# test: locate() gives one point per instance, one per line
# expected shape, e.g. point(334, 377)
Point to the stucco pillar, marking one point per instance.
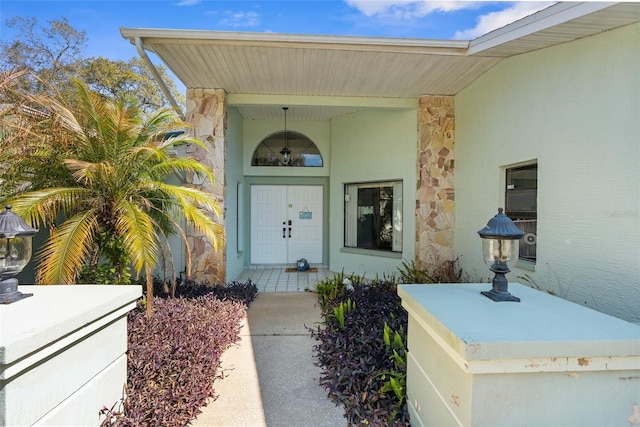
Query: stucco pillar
point(207, 112)
point(435, 188)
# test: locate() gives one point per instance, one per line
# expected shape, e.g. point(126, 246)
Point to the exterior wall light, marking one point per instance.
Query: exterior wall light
point(15, 253)
point(500, 246)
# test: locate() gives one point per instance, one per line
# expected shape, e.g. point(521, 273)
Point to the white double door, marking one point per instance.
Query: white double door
point(286, 223)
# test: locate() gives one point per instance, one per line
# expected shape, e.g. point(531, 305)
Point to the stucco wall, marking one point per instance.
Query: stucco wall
point(575, 109)
point(233, 176)
point(372, 145)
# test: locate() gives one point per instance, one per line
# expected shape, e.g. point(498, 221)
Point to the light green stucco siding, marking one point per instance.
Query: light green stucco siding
point(372, 145)
point(233, 176)
point(575, 110)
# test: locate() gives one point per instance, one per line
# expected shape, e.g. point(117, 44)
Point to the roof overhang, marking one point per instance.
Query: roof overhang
point(259, 70)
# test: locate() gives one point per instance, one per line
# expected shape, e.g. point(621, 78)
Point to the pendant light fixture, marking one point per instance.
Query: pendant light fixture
point(285, 153)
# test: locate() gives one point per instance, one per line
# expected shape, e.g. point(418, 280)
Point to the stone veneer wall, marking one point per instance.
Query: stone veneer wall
point(207, 113)
point(435, 197)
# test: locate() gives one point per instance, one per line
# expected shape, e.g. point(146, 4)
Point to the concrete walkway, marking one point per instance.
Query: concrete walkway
point(269, 376)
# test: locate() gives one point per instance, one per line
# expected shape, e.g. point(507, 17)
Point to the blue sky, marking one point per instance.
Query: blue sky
point(384, 18)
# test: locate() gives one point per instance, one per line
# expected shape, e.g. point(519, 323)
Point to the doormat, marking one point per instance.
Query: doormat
point(295, 270)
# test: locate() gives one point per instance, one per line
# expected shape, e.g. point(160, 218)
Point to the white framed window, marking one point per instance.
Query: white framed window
point(521, 205)
point(373, 216)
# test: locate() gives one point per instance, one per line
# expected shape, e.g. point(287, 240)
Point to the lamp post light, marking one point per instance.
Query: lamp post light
point(500, 247)
point(15, 253)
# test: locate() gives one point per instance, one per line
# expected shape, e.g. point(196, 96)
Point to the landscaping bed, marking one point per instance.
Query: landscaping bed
point(173, 357)
point(362, 341)
point(362, 349)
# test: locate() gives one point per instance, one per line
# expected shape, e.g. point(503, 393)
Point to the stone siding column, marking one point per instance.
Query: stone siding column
point(435, 187)
point(207, 113)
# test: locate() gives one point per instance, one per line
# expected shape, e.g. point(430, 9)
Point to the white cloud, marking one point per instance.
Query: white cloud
point(404, 9)
point(240, 19)
point(495, 20)
point(187, 2)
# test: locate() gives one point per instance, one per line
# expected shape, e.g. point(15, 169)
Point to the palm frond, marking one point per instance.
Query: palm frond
point(148, 154)
point(92, 108)
point(183, 164)
point(53, 110)
point(198, 209)
point(138, 234)
point(191, 196)
point(88, 173)
point(68, 246)
point(43, 206)
point(164, 122)
point(159, 123)
point(203, 224)
point(9, 78)
point(182, 139)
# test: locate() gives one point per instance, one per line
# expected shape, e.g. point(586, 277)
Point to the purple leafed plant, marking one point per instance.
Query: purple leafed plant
point(362, 351)
point(173, 357)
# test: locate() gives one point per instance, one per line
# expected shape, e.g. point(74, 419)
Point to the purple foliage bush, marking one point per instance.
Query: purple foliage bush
point(244, 292)
point(357, 365)
point(173, 358)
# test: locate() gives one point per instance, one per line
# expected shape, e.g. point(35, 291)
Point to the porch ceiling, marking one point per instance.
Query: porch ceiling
point(330, 66)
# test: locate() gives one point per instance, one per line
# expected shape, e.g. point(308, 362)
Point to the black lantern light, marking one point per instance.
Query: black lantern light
point(285, 153)
point(15, 253)
point(500, 246)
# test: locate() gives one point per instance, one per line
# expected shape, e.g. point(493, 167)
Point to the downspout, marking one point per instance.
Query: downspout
point(157, 77)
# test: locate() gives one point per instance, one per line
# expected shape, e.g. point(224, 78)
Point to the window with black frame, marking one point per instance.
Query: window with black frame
point(373, 216)
point(521, 205)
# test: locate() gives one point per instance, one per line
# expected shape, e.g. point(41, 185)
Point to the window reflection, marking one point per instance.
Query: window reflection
point(304, 153)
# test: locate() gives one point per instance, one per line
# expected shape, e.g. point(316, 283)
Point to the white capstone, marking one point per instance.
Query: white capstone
point(541, 362)
point(63, 353)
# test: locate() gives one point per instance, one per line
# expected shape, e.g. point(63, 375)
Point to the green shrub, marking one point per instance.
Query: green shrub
point(333, 289)
point(342, 309)
point(397, 377)
point(438, 272)
point(362, 352)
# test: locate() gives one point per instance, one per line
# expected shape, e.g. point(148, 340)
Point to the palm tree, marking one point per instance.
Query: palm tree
point(119, 208)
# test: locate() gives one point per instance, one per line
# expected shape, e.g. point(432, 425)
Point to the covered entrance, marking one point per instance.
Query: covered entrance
point(286, 223)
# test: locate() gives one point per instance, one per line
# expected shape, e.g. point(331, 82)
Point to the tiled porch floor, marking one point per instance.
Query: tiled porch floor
point(274, 278)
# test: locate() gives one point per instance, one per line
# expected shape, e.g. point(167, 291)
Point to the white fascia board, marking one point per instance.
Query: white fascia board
point(241, 99)
point(381, 44)
point(554, 15)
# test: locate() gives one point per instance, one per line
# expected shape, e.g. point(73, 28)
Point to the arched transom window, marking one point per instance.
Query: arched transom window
point(287, 149)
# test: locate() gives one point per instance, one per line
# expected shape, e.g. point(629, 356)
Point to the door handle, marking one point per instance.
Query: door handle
point(283, 232)
point(289, 232)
